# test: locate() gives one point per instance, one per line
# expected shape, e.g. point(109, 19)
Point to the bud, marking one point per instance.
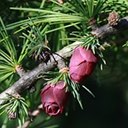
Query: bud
point(54, 98)
point(82, 64)
point(113, 18)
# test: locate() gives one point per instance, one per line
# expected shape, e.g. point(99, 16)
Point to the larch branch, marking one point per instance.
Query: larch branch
point(29, 77)
point(107, 29)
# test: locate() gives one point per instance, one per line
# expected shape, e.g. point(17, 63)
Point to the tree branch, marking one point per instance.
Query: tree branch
point(32, 116)
point(107, 29)
point(29, 77)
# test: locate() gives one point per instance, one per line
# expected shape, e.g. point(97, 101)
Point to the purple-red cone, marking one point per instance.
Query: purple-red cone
point(82, 64)
point(54, 98)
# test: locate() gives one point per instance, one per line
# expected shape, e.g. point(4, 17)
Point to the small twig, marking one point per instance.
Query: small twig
point(107, 29)
point(32, 115)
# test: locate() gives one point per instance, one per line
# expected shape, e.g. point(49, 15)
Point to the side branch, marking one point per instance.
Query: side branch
point(28, 78)
point(107, 29)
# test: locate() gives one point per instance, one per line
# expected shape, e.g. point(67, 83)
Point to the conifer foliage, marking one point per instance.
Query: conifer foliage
point(33, 68)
